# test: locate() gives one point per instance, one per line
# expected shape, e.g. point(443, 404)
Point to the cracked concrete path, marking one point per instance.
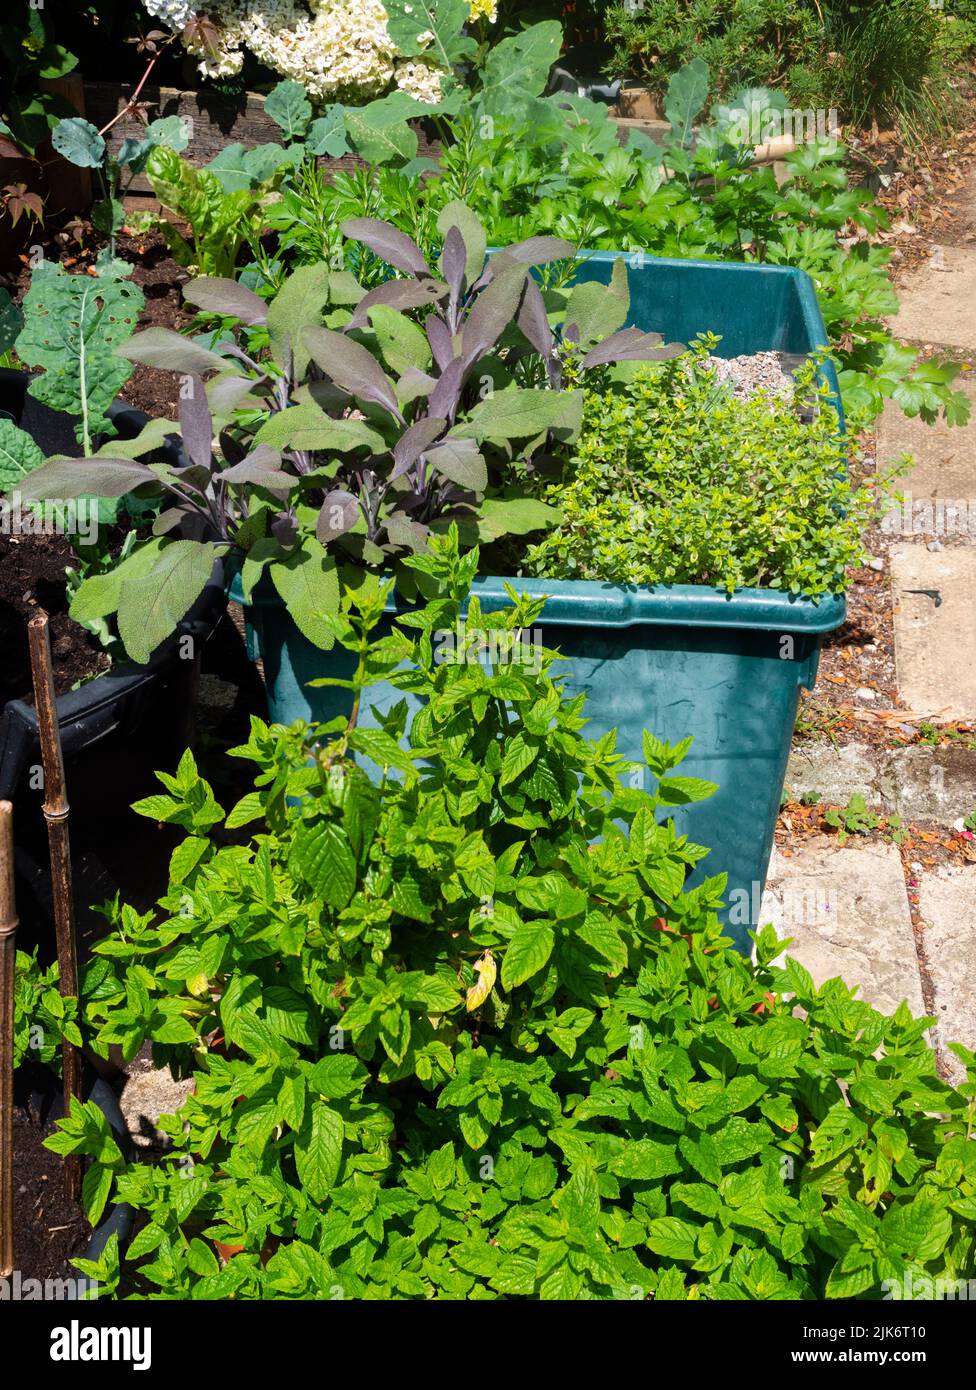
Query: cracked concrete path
point(940, 487)
point(937, 303)
point(847, 912)
point(947, 906)
point(900, 930)
point(934, 595)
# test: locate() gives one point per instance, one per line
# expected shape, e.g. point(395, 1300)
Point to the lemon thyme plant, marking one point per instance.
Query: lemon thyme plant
point(464, 1033)
point(674, 480)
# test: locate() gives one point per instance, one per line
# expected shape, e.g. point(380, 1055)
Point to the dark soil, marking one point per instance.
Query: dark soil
point(48, 1228)
point(32, 577)
point(161, 281)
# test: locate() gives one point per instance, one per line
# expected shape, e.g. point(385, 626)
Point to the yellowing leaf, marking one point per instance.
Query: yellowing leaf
point(479, 992)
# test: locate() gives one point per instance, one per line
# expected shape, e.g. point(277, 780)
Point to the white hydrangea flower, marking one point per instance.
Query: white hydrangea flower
point(174, 13)
point(337, 49)
point(420, 80)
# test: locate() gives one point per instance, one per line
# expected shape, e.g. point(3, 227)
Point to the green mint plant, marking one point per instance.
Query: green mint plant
point(43, 1017)
point(464, 1031)
point(672, 480)
point(359, 431)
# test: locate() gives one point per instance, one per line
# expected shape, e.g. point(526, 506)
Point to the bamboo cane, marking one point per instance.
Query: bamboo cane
point(56, 811)
point(8, 957)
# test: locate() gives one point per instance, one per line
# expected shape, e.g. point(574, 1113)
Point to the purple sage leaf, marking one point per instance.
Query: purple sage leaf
point(351, 366)
point(413, 442)
point(339, 514)
point(390, 245)
point(439, 337)
point(447, 393)
point(454, 261)
point(226, 297)
point(534, 321)
point(196, 424)
point(398, 294)
point(631, 345)
point(493, 310)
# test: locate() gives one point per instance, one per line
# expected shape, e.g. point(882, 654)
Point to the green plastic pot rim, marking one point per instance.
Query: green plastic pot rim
point(593, 604)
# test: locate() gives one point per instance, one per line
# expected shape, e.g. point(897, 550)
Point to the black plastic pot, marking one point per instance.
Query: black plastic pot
point(125, 701)
point(43, 1093)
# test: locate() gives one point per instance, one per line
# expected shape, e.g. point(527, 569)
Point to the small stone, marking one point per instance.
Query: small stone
point(870, 646)
point(959, 825)
point(876, 563)
point(935, 545)
point(865, 694)
point(751, 373)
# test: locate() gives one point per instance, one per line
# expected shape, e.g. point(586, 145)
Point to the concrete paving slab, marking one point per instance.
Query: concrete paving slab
point(939, 492)
point(848, 914)
point(935, 629)
point(837, 772)
point(937, 304)
point(937, 784)
point(947, 903)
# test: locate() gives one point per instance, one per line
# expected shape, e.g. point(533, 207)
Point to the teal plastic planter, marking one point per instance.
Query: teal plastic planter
point(675, 660)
